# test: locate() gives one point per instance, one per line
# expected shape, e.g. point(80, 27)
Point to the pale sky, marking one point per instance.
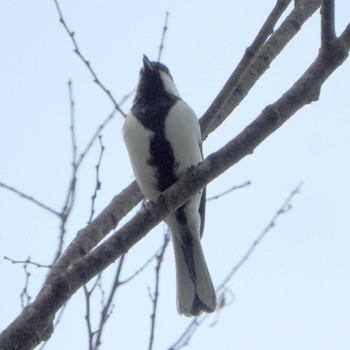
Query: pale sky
point(293, 293)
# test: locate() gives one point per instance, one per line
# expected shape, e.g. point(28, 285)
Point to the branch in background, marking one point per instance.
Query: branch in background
point(139, 270)
point(94, 344)
point(30, 198)
point(88, 293)
point(28, 262)
point(188, 333)
point(283, 209)
point(95, 336)
point(233, 188)
point(133, 192)
point(107, 308)
point(72, 183)
point(70, 196)
point(98, 182)
point(25, 296)
point(85, 61)
point(162, 40)
point(155, 296)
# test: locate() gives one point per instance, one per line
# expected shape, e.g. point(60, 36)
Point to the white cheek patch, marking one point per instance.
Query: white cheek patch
point(169, 85)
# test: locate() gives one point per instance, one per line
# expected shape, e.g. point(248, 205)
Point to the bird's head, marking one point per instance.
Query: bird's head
point(155, 81)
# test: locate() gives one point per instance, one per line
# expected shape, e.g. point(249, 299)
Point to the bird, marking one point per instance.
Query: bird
point(163, 138)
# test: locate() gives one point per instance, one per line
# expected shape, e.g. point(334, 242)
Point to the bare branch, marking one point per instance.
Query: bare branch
point(187, 334)
point(67, 206)
point(28, 262)
point(98, 182)
point(70, 196)
point(283, 209)
point(30, 198)
point(162, 40)
point(107, 307)
point(95, 137)
point(328, 35)
point(86, 62)
point(215, 108)
point(155, 296)
point(93, 233)
point(25, 297)
point(138, 271)
point(233, 188)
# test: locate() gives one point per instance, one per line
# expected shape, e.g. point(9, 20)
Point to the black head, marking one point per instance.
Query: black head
point(155, 81)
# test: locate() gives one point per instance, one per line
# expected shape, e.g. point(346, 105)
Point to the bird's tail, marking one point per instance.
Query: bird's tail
point(195, 290)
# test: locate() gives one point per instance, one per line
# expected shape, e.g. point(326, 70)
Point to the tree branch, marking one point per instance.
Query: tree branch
point(327, 24)
point(154, 298)
point(256, 60)
point(107, 307)
point(165, 28)
point(30, 198)
point(86, 62)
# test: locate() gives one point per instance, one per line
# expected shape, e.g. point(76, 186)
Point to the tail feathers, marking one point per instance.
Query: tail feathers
point(195, 290)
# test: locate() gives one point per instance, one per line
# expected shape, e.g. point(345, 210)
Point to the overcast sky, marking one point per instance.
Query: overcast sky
point(293, 292)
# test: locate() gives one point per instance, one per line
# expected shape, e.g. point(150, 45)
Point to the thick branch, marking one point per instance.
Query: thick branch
point(27, 329)
point(266, 30)
point(327, 24)
point(236, 89)
point(93, 233)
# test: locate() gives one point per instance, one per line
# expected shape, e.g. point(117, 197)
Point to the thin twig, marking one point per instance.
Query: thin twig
point(86, 62)
point(233, 188)
point(155, 296)
point(187, 334)
point(98, 182)
point(138, 271)
point(28, 262)
point(283, 209)
point(162, 40)
point(72, 183)
point(106, 310)
point(94, 137)
point(70, 196)
point(25, 297)
point(87, 294)
point(30, 198)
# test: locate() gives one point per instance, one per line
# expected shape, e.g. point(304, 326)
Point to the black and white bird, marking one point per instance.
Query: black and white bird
point(163, 138)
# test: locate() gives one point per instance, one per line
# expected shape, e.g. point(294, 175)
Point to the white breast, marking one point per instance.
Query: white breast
point(137, 141)
point(183, 133)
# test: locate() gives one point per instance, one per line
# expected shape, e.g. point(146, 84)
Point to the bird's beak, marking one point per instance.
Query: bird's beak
point(147, 64)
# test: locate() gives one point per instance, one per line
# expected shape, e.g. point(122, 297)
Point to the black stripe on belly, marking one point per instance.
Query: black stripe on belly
point(162, 158)
point(152, 116)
